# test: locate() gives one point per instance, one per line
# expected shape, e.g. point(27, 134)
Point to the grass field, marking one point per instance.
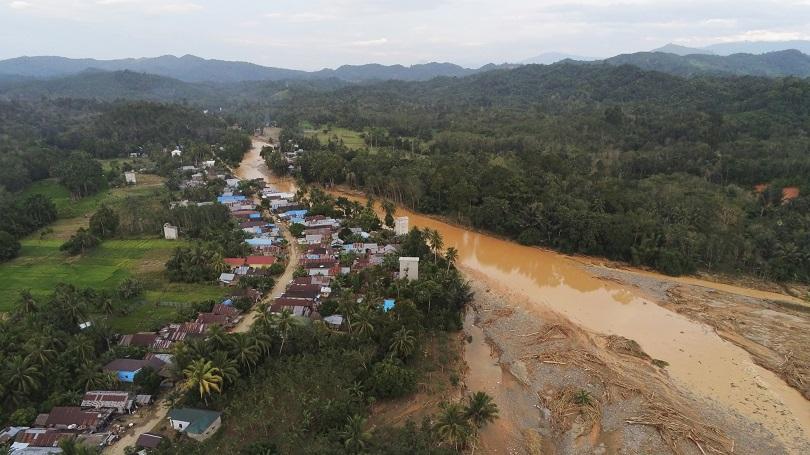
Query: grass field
point(67, 207)
point(353, 139)
point(41, 266)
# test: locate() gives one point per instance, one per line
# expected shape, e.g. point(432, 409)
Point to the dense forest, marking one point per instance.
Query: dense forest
point(65, 139)
point(619, 162)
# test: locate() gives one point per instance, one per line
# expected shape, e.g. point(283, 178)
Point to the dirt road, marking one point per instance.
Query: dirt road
point(156, 414)
point(281, 282)
point(152, 417)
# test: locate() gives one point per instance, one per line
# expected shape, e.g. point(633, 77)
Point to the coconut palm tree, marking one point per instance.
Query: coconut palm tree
point(202, 375)
point(452, 425)
point(480, 411)
point(284, 323)
point(436, 242)
point(217, 337)
point(403, 342)
point(90, 377)
point(228, 367)
point(362, 323)
point(451, 256)
point(107, 305)
point(21, 378)
point(27, 304)
point(245, 351)
point(84, 348)
point(425, 291)
point(347, 306)
point(263, 341)
point(40, 352)
point(355, 437)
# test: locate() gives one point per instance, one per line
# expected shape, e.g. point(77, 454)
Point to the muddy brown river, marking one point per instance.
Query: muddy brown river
point(699, 360)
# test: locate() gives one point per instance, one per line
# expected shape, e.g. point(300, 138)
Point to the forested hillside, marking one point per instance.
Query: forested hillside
point(772, 64)
point(613, 161)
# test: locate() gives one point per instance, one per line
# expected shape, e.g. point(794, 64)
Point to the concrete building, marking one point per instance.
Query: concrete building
point(401, 225)
point(129, 176)
point(198, 424)
point(169, 232)
point(409, 268)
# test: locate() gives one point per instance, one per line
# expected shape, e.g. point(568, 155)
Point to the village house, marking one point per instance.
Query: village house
point(76, 419)
point(120, 402)
point(127, 369)
point(36, 441)
point(129, 178)
point(298, 307)
point(256, 262)
point(223, 315)
point(182, 331)
point(169, 232)
point(329, 267)
point(140, 339)
point(303, 291)
point(228, 279)
point(313, 279)
point(246, 293)
point(148, 441)
point(198, 424)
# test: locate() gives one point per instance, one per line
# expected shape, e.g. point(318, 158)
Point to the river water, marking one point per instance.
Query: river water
point(699, 360)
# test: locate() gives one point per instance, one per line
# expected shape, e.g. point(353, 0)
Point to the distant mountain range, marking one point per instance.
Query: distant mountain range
point(172, 78)
point(738, 47)
point(772, 64)
point(548, 58)
point(189, 68)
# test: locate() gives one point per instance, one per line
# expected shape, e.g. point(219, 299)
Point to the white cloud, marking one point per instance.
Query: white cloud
point(19, 4)
point(300, 17)
point(764, 35)
point(371, 42)
point(174, 8)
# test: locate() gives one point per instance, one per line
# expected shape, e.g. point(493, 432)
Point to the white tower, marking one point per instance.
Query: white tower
point(409, 268)
point(401, 225)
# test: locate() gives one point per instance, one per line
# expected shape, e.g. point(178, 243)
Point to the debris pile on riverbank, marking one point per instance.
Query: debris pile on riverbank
point(600, 394)
point(775, 333)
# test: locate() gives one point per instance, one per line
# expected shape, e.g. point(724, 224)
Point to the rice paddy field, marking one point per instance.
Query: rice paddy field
point(41, 265)
point(353, 139)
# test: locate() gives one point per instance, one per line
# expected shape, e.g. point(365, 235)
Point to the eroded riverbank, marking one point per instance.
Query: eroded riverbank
point(700, 362)
point(705, 371)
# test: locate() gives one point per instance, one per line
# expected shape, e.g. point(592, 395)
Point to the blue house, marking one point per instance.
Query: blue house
point(259, 242)
point(296, 213)
point(126, 369)
point(230, 199)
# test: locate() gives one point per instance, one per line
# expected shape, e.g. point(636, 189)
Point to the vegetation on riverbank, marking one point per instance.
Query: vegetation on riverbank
point(599, 161)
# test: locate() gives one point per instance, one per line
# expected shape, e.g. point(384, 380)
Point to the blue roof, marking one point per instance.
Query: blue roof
point(297, 213)
point(228, 302)
point(224, 199)
point(388, 304)
point(260, 241)
point(255, 216)
point(297, 220)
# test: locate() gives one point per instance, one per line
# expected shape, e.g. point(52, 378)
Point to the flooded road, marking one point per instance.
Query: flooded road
point(699, 360)
point(254, 167)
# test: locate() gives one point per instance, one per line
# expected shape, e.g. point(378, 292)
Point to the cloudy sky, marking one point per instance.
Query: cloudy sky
point(312, 34)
